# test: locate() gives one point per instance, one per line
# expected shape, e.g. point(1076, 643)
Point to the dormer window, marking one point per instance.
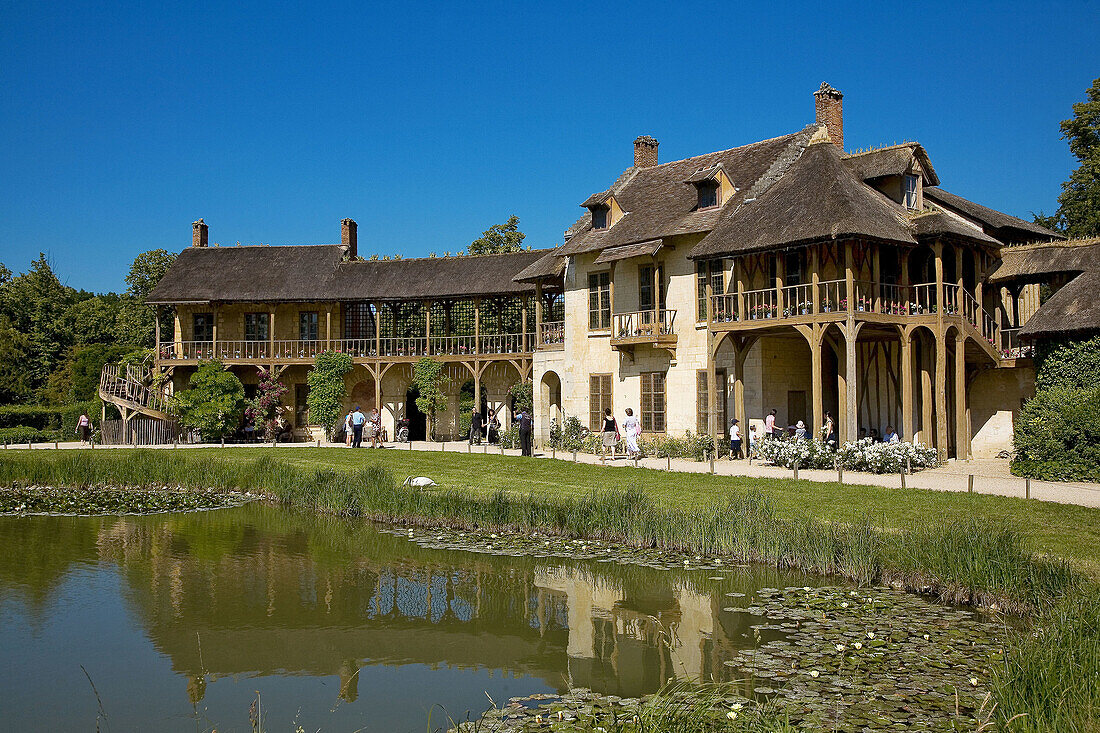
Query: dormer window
point(708, 193)
point(911, 192)
point(599, 217)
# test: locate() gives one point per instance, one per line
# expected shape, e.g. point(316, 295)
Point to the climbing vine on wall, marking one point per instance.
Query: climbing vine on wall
point(429, 379)
point(326, 388)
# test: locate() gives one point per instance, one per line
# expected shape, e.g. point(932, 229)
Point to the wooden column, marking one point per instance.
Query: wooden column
point(939, 388)
point(780, 276)
point(708, 294)
point(427, 327)
point(523, 324)
point(876, 275)
point(851, 380)
point(538, 313)
point(271, 334)
point(477, 326)
point(156, 329)
point(378, 392)
point(739, 273)
point(712, 392)
point(213, 332)
point(849, 280)
point(962, 412)
point(906, 387)
point(842, 400)
point(815, 278)
point(937, 250)
point(611, 295)
point(816, 395)
point(739, 389)
point(657, 288)
point(328, 327)
point(927, 401)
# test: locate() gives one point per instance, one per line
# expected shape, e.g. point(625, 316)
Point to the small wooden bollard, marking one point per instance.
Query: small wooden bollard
point(574, 456)
point(469, 447)
point(55, 445)
point(668, 458)
point(903, 478)
point(908, 466)
point(839, 473)
point(410, 444)
point(712, 464)
point(796, 470)
point(553, 452)
point(635, 461)
point(970, 484)
point(223, 442)
point(502, 448)
point(1027, 488)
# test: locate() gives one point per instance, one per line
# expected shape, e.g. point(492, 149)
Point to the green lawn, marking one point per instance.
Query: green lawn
point(1066, 531)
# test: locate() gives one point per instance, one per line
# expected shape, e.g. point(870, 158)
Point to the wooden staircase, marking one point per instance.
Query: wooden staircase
point(131, 390)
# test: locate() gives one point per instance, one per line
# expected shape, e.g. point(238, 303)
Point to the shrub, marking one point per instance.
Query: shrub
point(806, 453)
point(510, 438)
point(57, 418)
point(569, 436)
point(1057, 436)
point(327, 389)
point(429, 379)
point(1067, 363)
point(262, 410)
point(24, 434)
point(522, 397)
point(213, 403)
point(868, 455)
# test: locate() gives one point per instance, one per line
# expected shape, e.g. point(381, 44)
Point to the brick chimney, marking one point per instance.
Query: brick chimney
point(829, 104)
point(200, 233)
point(645, 152)
point(349, 237)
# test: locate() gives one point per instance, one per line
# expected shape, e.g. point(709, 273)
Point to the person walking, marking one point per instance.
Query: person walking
point(494, 430)
point(769, 424)
point(358, 419)
point(752, 443)
point(84, 428)
point(632, 428)
point(475, 426)
point(526, 426)
point(374, 425)
point(610, 433)
point(347, 429)
point(829, 430)
point(800, 431)
point(735, 439)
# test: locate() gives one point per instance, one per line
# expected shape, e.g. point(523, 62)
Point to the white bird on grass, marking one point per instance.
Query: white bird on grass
point(420, 482)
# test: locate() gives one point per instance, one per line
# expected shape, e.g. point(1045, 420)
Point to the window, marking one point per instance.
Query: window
point(716, 269)
point(653, 402)
point(702, 406)
point(599, 300)
point(792, 267)
point(708, 194)
point(256, 326)
point(307, 326)
point(910, 192)
point(599, 217)
point(358, 321)
point(301, 405)
point(202, 327)
point(599, 399)
point(645, 288)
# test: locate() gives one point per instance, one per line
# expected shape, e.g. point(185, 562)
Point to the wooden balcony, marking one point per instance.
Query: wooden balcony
point(649, 327)
point(553, 336)
point(453, 348)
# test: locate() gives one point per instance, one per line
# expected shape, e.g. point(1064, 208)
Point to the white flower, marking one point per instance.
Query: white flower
point(974, 681)
point(814, 673)
point(840, 647)
point(844, 605)
point(737, 706)
point(732, 715)
point(926, 637)
point(870, 635)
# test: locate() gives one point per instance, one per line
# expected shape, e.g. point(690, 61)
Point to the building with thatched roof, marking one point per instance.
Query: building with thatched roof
point(843, 289)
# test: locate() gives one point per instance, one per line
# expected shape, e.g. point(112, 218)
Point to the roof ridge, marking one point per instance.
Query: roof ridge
point(869, 151)
point(457, 256)
point(723, 151)
point(1042, 244)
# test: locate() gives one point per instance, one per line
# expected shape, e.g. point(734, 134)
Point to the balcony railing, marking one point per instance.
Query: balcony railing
point(644, 325)
point(553, 333)
point(1012, 347)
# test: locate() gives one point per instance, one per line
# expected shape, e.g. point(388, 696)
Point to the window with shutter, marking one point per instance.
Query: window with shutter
point(653, 402)
point(599, 399)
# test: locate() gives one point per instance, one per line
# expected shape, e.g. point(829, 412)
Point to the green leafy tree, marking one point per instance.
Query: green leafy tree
point(135, 321)
point(429, 379)
point(85, 366)
point(499, 238)
point(93, 320)
point(35, 304)
point(263, 410)
point(15, 347)
point(327, 389)
point(213, 403)
point(522, 396)
point(1078, 212)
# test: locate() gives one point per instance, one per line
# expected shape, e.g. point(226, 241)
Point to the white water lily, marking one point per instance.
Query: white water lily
point(858, 645)
point(732, 715)
point(974, 681)
point(844, 604)
point(926, 637)
point(814, 673)
point(840, 647)
point(870, 635)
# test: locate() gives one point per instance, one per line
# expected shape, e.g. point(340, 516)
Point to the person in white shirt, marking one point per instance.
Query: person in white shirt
point(735, 439)
point(632, 428)
point(752, 442)
point(891, 435)
point(769, 424)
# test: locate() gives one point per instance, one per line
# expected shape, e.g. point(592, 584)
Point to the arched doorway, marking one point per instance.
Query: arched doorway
point(418, 421)
point(548, 403)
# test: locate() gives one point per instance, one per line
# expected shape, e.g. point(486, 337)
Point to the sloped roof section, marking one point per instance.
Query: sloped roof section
point(249, 273)
point(936, 223)
point(891, 161)
point(995, 220)
point(626, 251)
point(817, 200)
point(1072, 311)
point(659, 202)
point(318, 273)
point(548, 267)
point(1034, 262)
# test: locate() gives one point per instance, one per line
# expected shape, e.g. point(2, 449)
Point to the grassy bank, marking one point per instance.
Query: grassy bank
point(974, 551)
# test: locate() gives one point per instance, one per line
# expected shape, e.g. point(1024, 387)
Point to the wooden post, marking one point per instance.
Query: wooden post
point(796, 470)
point(156, 328)
point(937, 250)
point(611, 295)
point(712, 394)
point(839, 473)
point(962, 433)
point(708, 294)
point(739, 273)
point(271, 334)
point(657, 294)
point(903, 478)
point(1027, 488)
point(477, 331)
point(970, 484)
point(851, 379)
point(849, 278)
point(328, 327)
point(538, 313)
point(815, 381)
point(939, 387)
point(378, 330)
point(780, 279)
point(876, 275)
point(906, 387)
point(427, 328)
point(815, 278)
point(213, 331)
point(523, 324)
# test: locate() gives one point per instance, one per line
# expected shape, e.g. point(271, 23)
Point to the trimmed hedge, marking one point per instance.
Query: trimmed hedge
point(47, 417)
point(24, 434)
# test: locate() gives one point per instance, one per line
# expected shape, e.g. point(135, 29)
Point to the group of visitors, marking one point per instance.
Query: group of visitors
point(611, 435)
point(356, 423)
point(482, 429)
point(798, 432)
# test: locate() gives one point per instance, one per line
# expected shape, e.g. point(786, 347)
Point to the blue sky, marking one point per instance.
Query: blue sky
point(426, 123)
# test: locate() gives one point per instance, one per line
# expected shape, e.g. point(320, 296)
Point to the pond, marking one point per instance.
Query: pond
point(181, 621)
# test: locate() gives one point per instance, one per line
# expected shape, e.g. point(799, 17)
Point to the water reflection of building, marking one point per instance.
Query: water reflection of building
point(246, 598)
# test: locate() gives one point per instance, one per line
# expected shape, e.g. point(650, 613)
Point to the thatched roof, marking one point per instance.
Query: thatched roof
point(309, 273)
point(626, 251)
point(1003, 226)
point(818, 199)
point(1072, 311)
point(939, 223)
point(1037, 262)
point(894, 160)
point(551, 266)
point(659, 202)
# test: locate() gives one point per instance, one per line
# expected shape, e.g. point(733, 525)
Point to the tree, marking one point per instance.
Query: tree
point(326, 389)
point(429, 379)
point(1078, 212)
point(499, 238)
point(134, 323)
point(35, 304)
point(213, 403)
point(93, 320)
point(522, 396)
point(15, 347)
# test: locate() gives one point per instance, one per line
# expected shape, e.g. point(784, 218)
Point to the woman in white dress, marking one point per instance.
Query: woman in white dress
point(632, 428)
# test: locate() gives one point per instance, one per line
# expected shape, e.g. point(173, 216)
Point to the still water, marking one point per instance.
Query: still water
point(180, 620)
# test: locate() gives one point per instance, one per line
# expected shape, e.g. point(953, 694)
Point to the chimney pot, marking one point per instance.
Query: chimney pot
point(200, 233)
point(829, 106)
point(349, 238)
point(645, 151)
